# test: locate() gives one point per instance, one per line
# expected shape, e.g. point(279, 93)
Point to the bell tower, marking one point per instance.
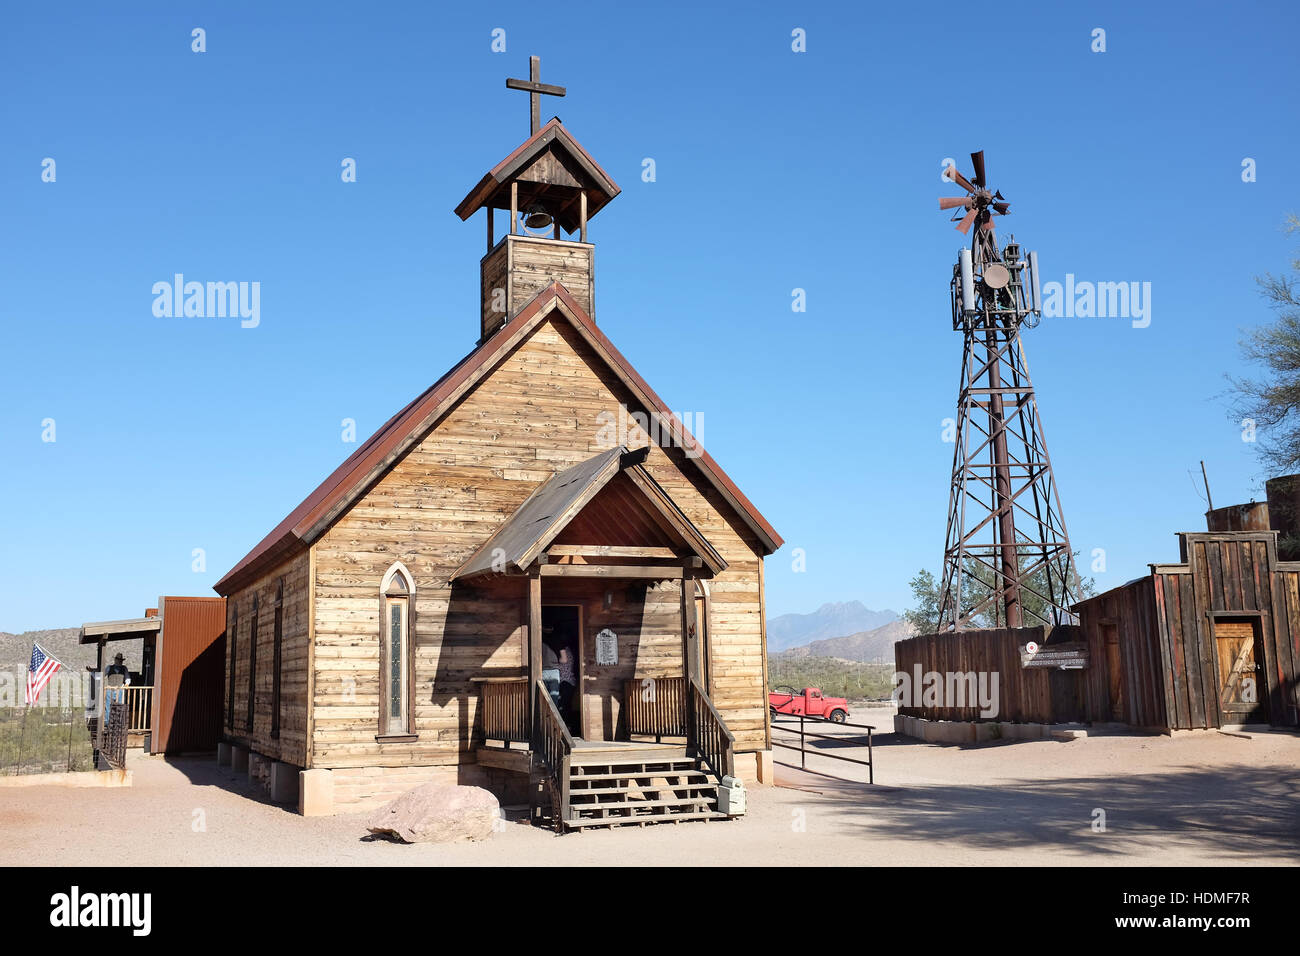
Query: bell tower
point(549, 186)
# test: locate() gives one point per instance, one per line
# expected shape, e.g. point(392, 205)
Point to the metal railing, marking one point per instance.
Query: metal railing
point(805, 734)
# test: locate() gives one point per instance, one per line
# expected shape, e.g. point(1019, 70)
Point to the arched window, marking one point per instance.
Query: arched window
point(232, 633)
point(252, 667)
point(277, 638)
point(396, 596)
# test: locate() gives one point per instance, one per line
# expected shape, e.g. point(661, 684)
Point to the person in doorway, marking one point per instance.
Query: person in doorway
point(551, 671)
point(568, 669)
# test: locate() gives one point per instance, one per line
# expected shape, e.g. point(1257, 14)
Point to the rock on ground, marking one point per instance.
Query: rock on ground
point(438, 813)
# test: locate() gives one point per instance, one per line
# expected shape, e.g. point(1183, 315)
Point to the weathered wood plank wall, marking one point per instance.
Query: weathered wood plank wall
point(1024, 694)
point(539, 411)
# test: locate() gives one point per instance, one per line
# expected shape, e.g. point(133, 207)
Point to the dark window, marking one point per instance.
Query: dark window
point(278, 635)
point(230, 690)
point(252, 667)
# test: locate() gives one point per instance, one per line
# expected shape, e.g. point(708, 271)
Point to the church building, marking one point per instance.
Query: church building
point(532, 578)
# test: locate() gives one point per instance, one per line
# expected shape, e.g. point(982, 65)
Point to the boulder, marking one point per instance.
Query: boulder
point(438, 813)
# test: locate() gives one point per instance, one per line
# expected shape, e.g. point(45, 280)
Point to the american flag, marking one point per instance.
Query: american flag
point(39, 672)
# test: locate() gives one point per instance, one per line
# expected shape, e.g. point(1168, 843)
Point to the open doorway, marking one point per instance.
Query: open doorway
point(561, 654)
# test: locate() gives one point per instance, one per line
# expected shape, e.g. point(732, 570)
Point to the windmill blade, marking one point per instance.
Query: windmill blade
point(1001, 208)
point(977, 160)
point(959, 179)
point(987, 225)
point(964, 226)
point(998, 195)
point(952, 202)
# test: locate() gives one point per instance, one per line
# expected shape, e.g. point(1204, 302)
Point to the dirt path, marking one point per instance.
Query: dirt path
point(1198, 799)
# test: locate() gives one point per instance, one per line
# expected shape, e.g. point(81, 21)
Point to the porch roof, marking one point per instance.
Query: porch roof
point(128, 630)
point(560, 499)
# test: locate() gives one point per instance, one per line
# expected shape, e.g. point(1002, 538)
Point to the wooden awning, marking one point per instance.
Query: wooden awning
point(128, 630)
point(610, 504)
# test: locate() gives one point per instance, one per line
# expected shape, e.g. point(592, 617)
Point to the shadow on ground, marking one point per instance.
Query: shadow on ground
point(1239, 813)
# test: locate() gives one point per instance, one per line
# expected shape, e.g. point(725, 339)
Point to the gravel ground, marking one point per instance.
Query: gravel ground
point(1202, 798)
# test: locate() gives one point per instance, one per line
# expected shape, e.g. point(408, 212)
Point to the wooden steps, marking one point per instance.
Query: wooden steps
point(635, 787)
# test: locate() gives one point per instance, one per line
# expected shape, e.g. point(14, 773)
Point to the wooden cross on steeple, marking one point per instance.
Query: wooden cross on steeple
point(535, 88)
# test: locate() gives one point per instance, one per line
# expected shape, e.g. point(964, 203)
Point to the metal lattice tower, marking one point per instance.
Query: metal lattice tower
point(1007, 557)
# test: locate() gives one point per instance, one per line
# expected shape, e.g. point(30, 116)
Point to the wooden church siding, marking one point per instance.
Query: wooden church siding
point(534, 414)
point(291, 746)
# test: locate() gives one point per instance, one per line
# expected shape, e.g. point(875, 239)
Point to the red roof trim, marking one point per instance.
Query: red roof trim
point(303, 524)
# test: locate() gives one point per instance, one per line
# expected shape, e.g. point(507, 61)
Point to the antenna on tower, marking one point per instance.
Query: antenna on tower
point(1007, 557)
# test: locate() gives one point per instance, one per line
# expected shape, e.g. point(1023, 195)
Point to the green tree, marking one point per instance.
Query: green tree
point(924, 618)
point(977, 581)
point(1271, 400)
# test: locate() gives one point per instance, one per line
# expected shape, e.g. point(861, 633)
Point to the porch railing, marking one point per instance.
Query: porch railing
point(709, 736)
point(553, 750)
point(503, 709)
point(137, 702)
point(655, 707)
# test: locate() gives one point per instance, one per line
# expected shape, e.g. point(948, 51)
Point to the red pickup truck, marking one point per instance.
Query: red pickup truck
point(809, 702)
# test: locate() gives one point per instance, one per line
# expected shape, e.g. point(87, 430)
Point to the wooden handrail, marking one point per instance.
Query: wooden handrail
point(138, 702)
point(709, 737)
point(553, 748)
point(503, 709)
point(659, 713)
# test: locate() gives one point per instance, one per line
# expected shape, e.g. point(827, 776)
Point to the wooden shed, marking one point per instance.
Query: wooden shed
point(1210, 641)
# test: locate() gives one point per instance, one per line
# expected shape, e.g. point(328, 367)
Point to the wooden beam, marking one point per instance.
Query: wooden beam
point(612, 571)
point(534, 644)
point(514, 209)
point(490, 229)
point(609, 551)
point(582, 216)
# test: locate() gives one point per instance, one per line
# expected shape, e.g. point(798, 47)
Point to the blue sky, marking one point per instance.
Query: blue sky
point(775, 170)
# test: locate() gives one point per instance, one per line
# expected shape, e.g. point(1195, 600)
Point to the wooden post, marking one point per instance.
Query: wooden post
point(514, 209)
point(490, 229)
point(690, 633)
point(690, 655)
point(534, 645)
point(582, 216)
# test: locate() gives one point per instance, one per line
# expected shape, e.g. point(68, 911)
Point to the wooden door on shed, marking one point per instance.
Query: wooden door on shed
point(1114, 670)
point(1241, 671)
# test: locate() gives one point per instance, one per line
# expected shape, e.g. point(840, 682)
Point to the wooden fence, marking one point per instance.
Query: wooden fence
point(1023, 694)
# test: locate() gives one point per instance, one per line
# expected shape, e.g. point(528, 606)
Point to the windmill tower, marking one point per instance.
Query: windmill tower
point(1007, 557)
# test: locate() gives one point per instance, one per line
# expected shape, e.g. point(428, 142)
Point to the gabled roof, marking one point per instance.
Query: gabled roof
point(368, 463)
point(558, 500)
point(558, 185)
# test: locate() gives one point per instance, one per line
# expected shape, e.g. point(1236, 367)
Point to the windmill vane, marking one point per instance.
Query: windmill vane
point(994, 569)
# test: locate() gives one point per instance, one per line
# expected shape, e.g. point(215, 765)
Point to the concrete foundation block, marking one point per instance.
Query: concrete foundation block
point(900, 724)
point(223, 755)
point(284, 782)
point(316, 793)
point(238, 758)
point(985, 732)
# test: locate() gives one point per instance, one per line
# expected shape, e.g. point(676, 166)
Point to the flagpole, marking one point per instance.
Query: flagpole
point(22, 740)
